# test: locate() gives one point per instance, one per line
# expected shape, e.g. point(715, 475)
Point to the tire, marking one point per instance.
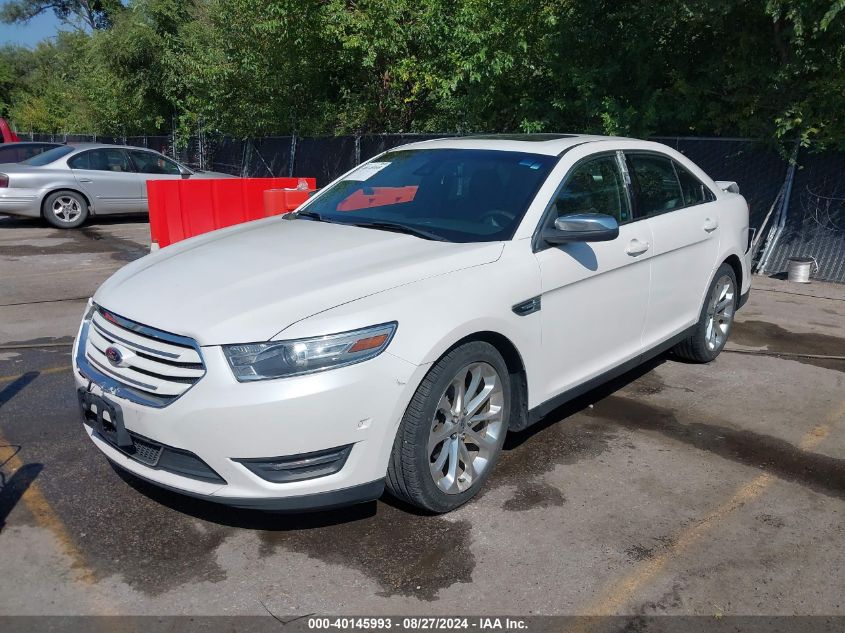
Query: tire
point(716, 319)
point(431, 435)
point(65, 209)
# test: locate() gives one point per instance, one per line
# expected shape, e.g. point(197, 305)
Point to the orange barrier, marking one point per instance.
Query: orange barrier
point(180, 209)
point(278, 201)
point(369, 197)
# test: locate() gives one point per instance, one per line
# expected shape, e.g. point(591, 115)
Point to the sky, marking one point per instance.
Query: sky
point(43, 26)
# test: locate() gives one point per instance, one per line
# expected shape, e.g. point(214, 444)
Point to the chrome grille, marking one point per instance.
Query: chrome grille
point(148, 366)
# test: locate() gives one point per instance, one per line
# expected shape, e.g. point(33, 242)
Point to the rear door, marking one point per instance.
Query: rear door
point(153, 166)
point(106, 175)
point(684, 221)
point(595, 294)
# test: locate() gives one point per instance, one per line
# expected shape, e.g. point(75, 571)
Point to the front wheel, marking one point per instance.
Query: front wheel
point(714, 324)
point(65, 209)
point(452, 432)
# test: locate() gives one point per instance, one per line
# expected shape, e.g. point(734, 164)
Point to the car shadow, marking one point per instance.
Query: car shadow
point(13, 488)
point(16, 222)
point(16, 386)
point(561, 413)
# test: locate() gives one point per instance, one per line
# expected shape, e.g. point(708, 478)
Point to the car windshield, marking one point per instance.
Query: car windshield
point(49, 156)
point(457, 195)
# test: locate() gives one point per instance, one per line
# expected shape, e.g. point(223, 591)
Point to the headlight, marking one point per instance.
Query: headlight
point(279, 359)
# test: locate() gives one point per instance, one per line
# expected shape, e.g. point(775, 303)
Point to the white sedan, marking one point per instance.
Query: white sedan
point(396, 327)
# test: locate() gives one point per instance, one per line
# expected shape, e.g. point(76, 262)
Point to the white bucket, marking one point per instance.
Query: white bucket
point(799, 269)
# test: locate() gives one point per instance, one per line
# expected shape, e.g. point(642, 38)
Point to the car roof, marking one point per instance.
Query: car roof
point(549, 144)
point(86, 145)
point(27, 143)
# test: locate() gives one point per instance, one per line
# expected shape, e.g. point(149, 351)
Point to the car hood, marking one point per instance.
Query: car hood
point(247, 283)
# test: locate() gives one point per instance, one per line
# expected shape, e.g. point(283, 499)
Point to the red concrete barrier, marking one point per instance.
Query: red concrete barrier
point(180, 209)
point(278, 201)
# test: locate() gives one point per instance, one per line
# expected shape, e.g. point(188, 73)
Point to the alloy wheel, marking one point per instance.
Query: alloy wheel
point(466, 428)
point(67, 208)
point(720, 313)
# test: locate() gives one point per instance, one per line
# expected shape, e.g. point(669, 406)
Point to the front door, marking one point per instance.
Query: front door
point(108, 179)
point(595, 294)
point(153, 166)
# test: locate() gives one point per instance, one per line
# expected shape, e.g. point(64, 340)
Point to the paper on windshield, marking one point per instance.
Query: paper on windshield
point(365, 172)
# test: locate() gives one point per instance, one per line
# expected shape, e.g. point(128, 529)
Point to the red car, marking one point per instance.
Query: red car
point(6, 134)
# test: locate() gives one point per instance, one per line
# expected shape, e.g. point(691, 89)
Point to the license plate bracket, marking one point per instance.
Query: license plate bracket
point(106, 417)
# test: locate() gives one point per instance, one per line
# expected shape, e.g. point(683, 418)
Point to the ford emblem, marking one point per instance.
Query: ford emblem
point(114, 356)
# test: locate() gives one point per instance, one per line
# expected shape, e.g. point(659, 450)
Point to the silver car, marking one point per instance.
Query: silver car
point(68, 183)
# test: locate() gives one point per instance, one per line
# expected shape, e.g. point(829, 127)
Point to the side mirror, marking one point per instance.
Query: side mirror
point(582, 227)
point(186, 173)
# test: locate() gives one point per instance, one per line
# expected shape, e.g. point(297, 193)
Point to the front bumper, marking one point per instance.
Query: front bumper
point(316, 501)
point(225, 423)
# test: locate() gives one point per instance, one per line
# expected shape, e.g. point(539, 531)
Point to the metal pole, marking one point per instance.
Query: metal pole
point(357, 147)
point(201, 144)
point(777, 230)
point(247, 157)
point(292, 154)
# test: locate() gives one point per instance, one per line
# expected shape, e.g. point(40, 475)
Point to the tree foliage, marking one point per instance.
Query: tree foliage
point(81, 14)
point(762, 68)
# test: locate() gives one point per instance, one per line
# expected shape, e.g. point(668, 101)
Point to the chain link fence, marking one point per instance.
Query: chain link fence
point(796, 211)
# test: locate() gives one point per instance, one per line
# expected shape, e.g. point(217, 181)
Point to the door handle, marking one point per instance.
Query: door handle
point(85, 180)
point(710, 225)
point(636, 247)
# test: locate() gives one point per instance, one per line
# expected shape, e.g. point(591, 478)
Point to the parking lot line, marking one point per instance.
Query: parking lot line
point(46, 517)
point(612, 600)
point(41, 372)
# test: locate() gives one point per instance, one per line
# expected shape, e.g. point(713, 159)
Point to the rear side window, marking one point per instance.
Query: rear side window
point(11, 154)
point(51, 155)
point(101, 160)
point(655, 184)
point(18, 153)
point(694, 191)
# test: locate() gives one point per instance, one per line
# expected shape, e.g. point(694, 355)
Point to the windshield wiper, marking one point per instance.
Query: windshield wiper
point(400, 228)
point(311, 215)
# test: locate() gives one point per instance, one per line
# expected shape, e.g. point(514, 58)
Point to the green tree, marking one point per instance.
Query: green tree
point(82, 14)
point(770, 69)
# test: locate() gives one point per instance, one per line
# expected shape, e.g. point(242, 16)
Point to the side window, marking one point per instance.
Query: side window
point(32, 150)
point(101, 160)
point(594, 186)
point(80, 161)
point(11, 155)
point(655, 184)
point(694, 191)
point(149, 163)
